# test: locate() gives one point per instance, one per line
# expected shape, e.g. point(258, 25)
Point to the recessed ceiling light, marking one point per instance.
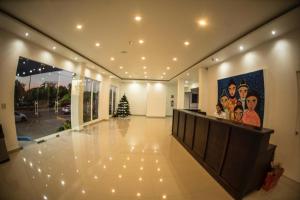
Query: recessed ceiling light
point(126, 72)
point(143, 58)
point(79, 26)
point(145, 72)
point(174, 59)
point(144, 67)
point(138, 194)
point(141, 41)
point(186, 82)
point(121, 67)
point(54, 47)
point(168, 68)
point(241, 48)
point(161, 77)
point(186, 43)
point(202, 22)
point(187, 74)
point(273, 32)
point(97, 44)
point(217, 59)
point(75, 58)
point(112, 58)
point(26, 34)
point(146, 76)
point(164, 73)
point(129, 76)
point(137, 18)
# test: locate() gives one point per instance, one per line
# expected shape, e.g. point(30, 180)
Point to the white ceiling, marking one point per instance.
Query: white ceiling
point(164, 27)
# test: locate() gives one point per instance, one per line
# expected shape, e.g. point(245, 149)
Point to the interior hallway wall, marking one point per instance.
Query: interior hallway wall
point(280, 59)
point(156, 100)
point(150, 99)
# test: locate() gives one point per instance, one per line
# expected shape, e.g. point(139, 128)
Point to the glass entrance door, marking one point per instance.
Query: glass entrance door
point(112, 100)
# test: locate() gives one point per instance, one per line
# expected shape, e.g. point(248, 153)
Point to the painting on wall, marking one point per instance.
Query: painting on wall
point(242, 98)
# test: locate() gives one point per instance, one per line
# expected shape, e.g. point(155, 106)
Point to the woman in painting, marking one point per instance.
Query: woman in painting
point(225, 103)
point(232, 92)
point(250, 115)
point(238, 113)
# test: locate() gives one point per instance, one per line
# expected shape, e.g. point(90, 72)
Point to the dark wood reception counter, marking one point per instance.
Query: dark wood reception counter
point(237, 156)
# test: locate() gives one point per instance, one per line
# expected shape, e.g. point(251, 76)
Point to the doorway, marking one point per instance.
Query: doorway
point(42, 99)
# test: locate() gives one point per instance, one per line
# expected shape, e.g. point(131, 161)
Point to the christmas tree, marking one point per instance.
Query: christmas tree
point(123, 107)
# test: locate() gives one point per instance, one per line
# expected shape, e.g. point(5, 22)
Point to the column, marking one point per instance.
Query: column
point(180, 94)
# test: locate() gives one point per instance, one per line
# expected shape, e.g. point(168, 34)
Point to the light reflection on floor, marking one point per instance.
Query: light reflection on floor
point(134, 158)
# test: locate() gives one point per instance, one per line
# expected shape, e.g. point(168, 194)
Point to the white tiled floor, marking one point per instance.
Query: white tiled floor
point(124, 159)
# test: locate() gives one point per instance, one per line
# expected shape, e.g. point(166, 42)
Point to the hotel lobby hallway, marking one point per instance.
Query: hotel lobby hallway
point(124, 159)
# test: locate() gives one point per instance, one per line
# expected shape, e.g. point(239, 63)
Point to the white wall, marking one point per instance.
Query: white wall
point(150, 99)
point(136, 94)
point(156, 100)
point(11, 48)
point(280, 59)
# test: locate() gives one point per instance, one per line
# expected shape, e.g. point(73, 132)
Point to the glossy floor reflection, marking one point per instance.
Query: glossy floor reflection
point(124, 159)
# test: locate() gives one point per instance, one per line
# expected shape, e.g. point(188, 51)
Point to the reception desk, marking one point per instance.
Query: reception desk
point(235, 155)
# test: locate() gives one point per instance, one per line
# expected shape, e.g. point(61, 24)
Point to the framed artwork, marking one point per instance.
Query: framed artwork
point(242, 98)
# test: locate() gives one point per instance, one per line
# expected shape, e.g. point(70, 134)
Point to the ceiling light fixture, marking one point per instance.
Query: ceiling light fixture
point(186, 82)
point(54, 47)
point(145, 77)
point(79, 26)
point(126, 72)
point(273, 32)
point(186, 43)
point(26, 34)
point(164, 73)
point(202, 22)
point(75, 58)
point(144, 67)
point(121, 67)
point(145, 72)
point(112, 58)
point(241, 48)
point(168, 68)
point(143, 58)
point(137, 18)
point(97, 44)
point(161, 77)
point(130, 76)
point(217, 59)
point(141, 41)
point(174, 59)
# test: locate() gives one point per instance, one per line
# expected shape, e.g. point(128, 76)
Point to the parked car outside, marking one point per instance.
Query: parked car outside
point(66, 109)
point(20, 117)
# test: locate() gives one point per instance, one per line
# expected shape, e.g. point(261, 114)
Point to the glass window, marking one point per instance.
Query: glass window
point(90, 100)
point(42, 99)
point(96, 86)
point(87, 100)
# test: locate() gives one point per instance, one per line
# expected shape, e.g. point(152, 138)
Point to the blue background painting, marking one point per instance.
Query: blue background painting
point(255, 81)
